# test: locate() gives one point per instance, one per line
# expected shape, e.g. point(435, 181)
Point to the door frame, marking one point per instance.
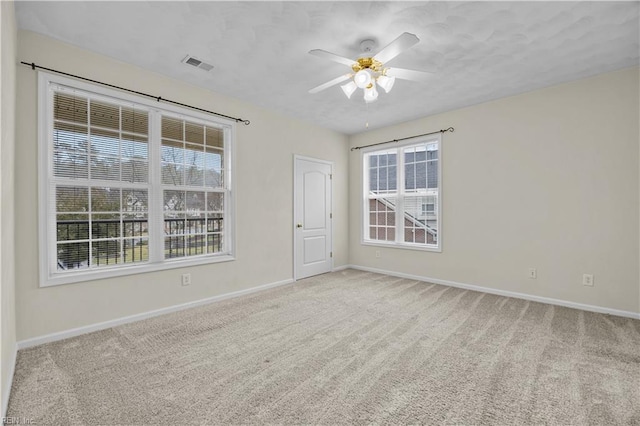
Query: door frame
point(297, 157)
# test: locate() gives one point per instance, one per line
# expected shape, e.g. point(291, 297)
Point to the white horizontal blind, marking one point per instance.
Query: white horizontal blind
point(100, 181)
point(128, 187)
point(193, 187)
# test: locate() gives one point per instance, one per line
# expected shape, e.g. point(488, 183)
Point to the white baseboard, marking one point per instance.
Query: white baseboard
point(506, 293)
point(341, 268)
point(35, 341)
point(6, 387)
point(61, 335)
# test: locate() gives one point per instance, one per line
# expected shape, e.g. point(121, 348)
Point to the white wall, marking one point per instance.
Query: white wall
point(264, 194)
point(546, 180)
point(7, 145)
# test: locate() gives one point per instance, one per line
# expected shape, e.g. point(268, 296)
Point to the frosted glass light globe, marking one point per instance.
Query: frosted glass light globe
point(362, 78)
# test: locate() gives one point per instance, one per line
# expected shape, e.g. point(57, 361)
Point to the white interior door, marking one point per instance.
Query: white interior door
point(312, 217)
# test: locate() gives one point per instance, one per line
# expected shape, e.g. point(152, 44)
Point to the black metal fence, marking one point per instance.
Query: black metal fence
point(113, 243)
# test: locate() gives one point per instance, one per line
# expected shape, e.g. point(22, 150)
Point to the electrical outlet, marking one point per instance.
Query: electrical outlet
point(587, 279)
point(377, 253)
point(533, 273)
point(186, 279)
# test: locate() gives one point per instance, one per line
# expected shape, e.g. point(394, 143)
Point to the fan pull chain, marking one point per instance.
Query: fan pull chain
point(366, 124)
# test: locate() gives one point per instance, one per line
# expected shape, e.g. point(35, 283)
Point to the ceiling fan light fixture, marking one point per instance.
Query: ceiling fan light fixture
point(371, 94)
point(386, 82)
point(362, 78)
point(349, 88)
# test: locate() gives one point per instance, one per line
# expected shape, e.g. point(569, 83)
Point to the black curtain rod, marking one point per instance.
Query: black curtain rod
point(157, 98)
point(450, 129)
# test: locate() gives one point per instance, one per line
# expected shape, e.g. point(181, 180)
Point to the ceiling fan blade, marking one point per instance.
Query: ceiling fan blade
point(332, 57)
point(328, 84)
point(405, 74)
point(397, 46)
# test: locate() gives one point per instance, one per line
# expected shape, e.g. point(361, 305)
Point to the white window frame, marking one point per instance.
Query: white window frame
point(49, 275)
point(399, 225)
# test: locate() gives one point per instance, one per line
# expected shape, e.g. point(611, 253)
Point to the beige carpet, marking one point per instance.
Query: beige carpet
point(344, 348)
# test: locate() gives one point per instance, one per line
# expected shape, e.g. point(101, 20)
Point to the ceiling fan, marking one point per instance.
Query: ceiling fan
point(370, 71)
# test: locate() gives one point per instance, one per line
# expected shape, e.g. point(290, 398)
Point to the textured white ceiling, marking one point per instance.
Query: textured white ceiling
point(477, 51)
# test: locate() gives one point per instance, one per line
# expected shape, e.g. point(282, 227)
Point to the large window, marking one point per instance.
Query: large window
point(402, 195)
point(127, 186)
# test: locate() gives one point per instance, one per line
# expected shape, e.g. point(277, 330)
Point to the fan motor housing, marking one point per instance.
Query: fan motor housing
point(364, 63)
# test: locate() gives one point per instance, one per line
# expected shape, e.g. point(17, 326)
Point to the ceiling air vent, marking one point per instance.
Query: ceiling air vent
point(197, 63)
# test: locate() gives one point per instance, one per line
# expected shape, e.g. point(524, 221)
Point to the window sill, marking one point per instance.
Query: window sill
point(405, 246)
point(104, 273)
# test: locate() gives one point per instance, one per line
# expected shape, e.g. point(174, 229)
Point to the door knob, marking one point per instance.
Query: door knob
point(299, 225)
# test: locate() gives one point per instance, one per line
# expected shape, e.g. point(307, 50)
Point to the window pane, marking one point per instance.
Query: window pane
point(432, 166)
point(135, 202)
point(174, 223)
point(72, 199)
point(194, 133)
point(72, 256)
point(105, 199)
point(214, 222)
point(135, 120)
point(415, 168)
point(214, 243)
point(214, 137)
point(172, 151)
point(382, 219)
point(135, 171)
point(215, 202)
point(70, 156)
point(421, 219)
point(70, 107)
point(194, 162)
point(172, 174)
point(106, 253)
point(174, 247)
point(70, 137)
point(71, 227)
point(213, 168)
point(195, 244)
point(174, 201)
point(134, 147)
point(105, 142)
point(105, 168)
point(432, 174)
point(104, 115)
point(172, 128)
point(135, 225)
point(105, 226)
point(382, 168)
point(196, 202)
point(136, 250)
